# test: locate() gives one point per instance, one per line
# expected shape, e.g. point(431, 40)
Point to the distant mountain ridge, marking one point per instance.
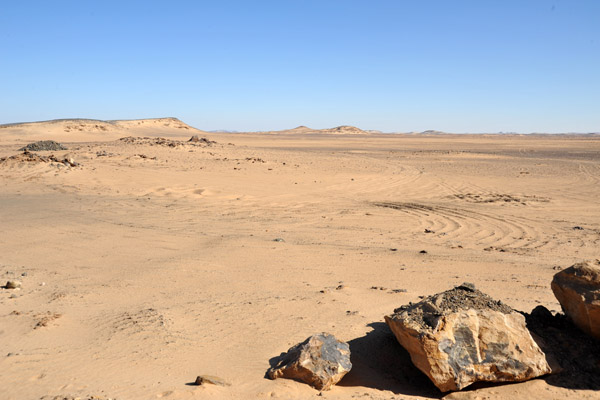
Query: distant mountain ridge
point(338, 130)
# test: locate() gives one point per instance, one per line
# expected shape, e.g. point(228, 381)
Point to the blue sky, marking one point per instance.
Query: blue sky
point(457, 66)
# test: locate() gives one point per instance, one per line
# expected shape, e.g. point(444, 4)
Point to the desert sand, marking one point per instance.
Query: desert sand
point(154, 261)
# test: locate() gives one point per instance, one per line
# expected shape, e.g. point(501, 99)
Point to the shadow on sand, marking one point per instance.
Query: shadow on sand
point(379, 362)
point(577, 353)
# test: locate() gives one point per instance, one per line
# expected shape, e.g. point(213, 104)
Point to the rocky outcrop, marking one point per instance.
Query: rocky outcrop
point(43, 145)
point(577, 289)
point(321, 361)
point(463, 336)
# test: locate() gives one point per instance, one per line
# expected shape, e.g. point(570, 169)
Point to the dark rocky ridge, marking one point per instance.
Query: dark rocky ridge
point(43, 145)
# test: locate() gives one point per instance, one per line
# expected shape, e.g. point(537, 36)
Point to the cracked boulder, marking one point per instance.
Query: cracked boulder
point(321, 361)
point(577, 289)
point(462, 336)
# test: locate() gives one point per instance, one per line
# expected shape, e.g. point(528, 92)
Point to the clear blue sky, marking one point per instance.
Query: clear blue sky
point(457, 66)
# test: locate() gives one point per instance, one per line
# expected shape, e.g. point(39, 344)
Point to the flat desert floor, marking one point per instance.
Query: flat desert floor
point(152, 262)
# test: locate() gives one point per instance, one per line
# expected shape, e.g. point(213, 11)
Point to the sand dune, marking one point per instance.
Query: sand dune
point(91, 129)
point(153, 261)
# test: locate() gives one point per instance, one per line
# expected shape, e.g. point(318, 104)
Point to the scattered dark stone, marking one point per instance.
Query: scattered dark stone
point(429, 231)
point(423, 252)
point(43, 145)
point(393, 249)
point(255, 159)
point(398, 291)
point(196, 139)
point(24, 274)
point(340, 287)
point(577, 228)
point(28, 156)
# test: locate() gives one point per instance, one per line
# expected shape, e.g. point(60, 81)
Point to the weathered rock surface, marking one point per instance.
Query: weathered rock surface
point(196, 139)
point(211, 380)
point(463, 336)
point(13, 284)
point(321, 361)
point(577, 289)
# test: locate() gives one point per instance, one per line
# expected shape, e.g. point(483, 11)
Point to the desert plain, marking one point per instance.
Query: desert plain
point(153, 261)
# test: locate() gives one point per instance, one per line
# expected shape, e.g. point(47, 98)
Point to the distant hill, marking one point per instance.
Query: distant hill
point(77, 129)
point(338, 130)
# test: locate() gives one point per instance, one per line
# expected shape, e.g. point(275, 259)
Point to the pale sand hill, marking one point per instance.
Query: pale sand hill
point(93, 130)
point(148, 265)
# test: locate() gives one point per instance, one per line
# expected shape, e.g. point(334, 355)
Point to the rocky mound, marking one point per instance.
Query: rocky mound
point(344, 130)
point(28, 157)
point(193, 141)
point(44, 145)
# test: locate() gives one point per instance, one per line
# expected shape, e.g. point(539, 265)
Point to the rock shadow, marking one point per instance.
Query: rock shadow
point(577, 353)
point(379, 362)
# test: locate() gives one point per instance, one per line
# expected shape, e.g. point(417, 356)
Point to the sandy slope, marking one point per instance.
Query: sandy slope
point(148, 264)
point(92, 130)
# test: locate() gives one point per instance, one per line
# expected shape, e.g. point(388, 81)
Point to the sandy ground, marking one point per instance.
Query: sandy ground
point(147, 265)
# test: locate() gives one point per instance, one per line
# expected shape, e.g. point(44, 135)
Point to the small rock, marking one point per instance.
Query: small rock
point(393, 249)
point(470, 287)
point(278, 240)
point(211, 380)
point(429, 231)
point(24, 274)
point(423, 252)
point(577, 289)
point(577, 228)
point(340, 287)
point(12, 285)
point(321, 361)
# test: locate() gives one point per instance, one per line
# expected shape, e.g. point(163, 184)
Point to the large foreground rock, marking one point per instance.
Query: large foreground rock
point(321, 361)
point(463, 336)
point(577, 289)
